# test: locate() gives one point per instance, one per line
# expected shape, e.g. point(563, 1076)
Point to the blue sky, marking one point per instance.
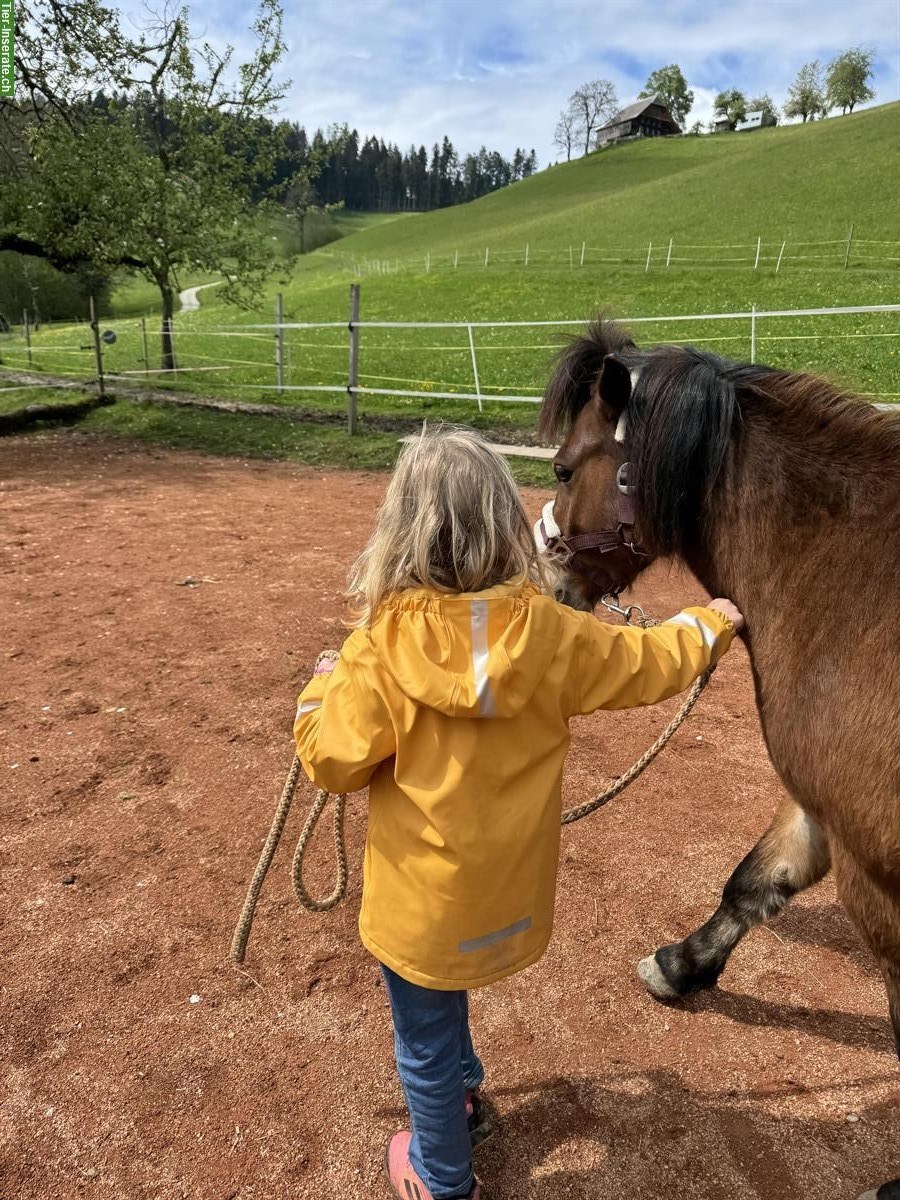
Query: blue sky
point(498, 72)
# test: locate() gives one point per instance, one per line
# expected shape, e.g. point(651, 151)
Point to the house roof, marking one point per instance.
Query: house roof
point(634, 110)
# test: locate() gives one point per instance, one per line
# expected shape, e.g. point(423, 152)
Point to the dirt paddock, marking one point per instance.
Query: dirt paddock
point(145, 731)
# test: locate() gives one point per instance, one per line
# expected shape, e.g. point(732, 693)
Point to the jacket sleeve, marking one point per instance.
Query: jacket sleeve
point(343, 728)
point(621, 667)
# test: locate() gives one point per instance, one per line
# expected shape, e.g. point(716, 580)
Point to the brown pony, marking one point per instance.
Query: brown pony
point(783, 494)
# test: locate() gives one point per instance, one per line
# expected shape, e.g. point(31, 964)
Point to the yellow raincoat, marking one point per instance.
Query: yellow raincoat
point(454, 710)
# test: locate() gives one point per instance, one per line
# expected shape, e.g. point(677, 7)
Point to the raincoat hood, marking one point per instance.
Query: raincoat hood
point(470, 654)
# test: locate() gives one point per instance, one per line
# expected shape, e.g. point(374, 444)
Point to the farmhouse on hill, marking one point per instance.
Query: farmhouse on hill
point(756, 120)
point(644, 118)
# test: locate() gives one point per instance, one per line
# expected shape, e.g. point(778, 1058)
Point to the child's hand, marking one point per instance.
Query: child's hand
point(326, 662)
point(726, 609)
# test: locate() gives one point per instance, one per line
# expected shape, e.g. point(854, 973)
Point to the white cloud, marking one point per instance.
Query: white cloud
point(497, 72)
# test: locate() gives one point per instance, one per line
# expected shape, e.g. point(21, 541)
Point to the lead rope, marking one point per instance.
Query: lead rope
point(618, 785)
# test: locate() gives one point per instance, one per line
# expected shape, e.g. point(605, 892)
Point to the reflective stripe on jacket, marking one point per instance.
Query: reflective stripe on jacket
point(454, 710)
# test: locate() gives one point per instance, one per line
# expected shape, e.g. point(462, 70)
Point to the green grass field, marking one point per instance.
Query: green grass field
point(798, 187)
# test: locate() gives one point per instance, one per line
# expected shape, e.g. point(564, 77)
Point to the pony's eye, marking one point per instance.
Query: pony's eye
point(563, 474)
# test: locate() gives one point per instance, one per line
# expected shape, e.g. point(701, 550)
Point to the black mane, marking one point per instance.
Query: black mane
point(689, 408)
point(681, 418)
point(575, 371)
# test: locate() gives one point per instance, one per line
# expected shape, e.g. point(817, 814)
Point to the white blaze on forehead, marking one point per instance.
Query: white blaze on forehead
point(622, 425)
point(553, 530)
point(545, 528)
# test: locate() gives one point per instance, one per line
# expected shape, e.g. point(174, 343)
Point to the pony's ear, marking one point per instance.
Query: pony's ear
point(613, 386)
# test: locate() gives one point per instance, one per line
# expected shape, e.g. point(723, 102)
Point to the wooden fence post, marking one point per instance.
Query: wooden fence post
point(98, 349)
point(279, 341)
point(753, 333)
point(475, 369)
point(353, 371)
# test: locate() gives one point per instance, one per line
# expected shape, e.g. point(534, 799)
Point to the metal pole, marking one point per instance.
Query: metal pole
point(753, 333)
point(780, 255)
point(98, 350)
point(758, 248)
point(669, 255)
point(486, 251)
point(475, 368)
point(526, 254)
point(649, 252)
point(353, 369)
point(583, 247)
point(455, 259)
point(849, 244)
point(27, 329)
point(146, 351)
point(279, 341)
point(571, 259)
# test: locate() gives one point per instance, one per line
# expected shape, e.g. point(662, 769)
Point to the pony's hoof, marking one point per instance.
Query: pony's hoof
point(887, 1191)
point(651, 976)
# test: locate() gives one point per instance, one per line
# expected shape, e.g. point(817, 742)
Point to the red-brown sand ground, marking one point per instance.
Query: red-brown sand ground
point(144, 738)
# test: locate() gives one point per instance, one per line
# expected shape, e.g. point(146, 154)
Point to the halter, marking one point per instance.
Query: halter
point(604, 540)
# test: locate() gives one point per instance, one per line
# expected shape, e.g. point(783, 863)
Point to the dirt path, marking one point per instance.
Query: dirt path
point(144, 734)
point(189, 299)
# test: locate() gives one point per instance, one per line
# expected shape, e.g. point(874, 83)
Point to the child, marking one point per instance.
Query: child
point(451, 700)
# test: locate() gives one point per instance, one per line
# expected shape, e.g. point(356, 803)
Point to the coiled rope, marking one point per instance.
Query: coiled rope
point(245, 920)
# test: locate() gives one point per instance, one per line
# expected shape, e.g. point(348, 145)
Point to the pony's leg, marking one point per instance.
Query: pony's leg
point(877, 916)
point(791, 855)
point(875, 911)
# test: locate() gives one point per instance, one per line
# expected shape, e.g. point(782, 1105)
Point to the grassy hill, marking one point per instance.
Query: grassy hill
point(794, 182)
point(799, 186)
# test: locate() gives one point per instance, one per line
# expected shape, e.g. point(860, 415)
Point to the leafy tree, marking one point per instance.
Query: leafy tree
point(671, 87)
point(847, 80)
point(591, 106)
point(565, 132)
point(65, 51)
point(302, 201)
point(732, 105)
point(806, 95)
point(764, 104)
point(164, 180)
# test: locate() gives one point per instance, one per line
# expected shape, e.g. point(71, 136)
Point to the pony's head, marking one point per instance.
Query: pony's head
point(644, 437)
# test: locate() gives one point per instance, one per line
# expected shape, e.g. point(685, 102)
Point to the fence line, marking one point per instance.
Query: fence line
point(842, 253)
point(358, 384)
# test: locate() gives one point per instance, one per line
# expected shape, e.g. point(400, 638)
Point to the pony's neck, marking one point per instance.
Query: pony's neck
point(792, 499)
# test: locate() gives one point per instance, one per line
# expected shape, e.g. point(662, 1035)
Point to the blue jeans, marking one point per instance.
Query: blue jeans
point(437, 1064)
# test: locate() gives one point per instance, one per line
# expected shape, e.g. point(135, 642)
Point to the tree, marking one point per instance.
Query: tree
point(732, 105)
point(847, 80)
point(671, 87)
point(565, 132)
point(164, 180)
point(301, 200)
point(591, 106)
point(764, 104)
point(806, 96)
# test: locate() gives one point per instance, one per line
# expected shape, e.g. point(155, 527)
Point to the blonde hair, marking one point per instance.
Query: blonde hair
point(451, 520)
